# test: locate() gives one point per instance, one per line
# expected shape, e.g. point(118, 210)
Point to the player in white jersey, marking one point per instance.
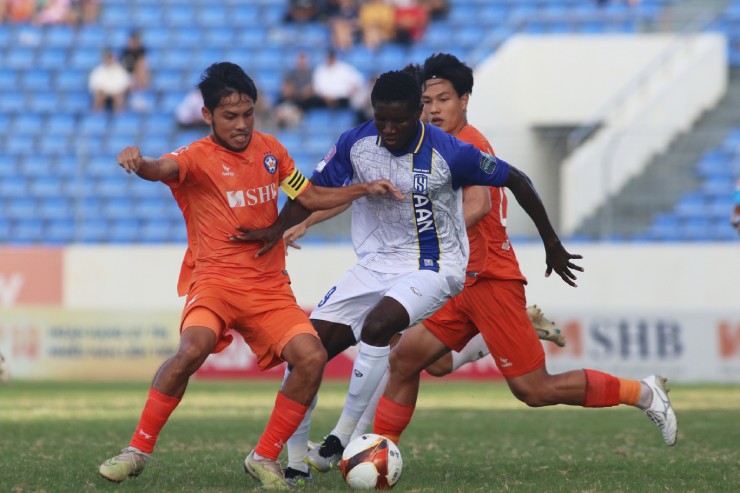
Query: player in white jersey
point(412, 254)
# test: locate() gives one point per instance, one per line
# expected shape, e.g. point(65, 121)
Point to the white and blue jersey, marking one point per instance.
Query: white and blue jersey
point(425, 231)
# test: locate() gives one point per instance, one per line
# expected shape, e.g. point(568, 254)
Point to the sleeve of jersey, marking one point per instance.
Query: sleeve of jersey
point(295, 184)
point(184, 164)
point(335, 170)
point(473, 167)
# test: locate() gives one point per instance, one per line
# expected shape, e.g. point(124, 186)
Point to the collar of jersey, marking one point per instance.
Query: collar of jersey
point(416, 144)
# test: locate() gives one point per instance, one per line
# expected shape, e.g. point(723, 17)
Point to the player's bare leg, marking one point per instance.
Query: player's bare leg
point(168, 387)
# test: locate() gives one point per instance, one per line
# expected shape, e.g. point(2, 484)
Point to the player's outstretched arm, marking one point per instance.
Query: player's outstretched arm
point(297, 231)
point(318, 198)
point(557, 258)
point(147, 168)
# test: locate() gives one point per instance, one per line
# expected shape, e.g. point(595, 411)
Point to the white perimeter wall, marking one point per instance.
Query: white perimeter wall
point(639, 309)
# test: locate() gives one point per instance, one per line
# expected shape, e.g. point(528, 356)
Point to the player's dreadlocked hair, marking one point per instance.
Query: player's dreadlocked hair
point(449, 67)
point(396, 86)
point(222, 79)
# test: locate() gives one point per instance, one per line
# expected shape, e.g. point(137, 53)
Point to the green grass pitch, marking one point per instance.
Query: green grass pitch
point(465, 437)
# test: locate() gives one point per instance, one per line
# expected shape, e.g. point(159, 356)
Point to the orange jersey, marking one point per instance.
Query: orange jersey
point(491, 253)
point(218, 190)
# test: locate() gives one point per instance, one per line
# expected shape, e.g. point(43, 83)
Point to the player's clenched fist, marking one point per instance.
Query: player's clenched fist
point(130, 159)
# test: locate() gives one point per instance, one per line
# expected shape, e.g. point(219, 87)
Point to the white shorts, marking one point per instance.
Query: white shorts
point(421, 292)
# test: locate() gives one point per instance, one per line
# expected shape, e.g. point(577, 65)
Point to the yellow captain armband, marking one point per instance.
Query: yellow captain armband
point(294, 184)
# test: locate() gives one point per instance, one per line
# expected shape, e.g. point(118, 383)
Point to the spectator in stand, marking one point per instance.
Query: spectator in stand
point(335, 81)
point(360, 101)
point(85, 11)
point(411, 21)
point(133, 59)
point(302, 11)
point(20, 11)
point(343, 25)
point(377, 23)
point(54, 12)
point(108, 83)
point(189, 113)
point(296, 93)
point(437, 9)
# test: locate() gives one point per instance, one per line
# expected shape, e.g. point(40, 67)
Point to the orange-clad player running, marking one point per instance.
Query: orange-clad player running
point(494, 304)
point(227, 179)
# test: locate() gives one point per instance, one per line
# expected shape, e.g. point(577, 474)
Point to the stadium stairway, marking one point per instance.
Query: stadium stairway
point(680, 174)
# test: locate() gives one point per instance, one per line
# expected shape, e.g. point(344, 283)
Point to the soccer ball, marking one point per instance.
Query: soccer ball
point(371, 462)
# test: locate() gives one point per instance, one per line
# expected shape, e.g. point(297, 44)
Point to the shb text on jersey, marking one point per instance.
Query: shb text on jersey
point(252, 196)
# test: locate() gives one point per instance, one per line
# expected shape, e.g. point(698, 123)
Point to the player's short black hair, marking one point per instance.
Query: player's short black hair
point(448, 67)
point(222, 79)
point(414, 69)
point(396, 85)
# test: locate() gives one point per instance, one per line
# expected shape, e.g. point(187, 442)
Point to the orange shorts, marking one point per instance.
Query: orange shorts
point(267, 318)
point(498, 310)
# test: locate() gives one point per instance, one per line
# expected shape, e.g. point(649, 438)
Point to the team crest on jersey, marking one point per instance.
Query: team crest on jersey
point(488, 163)
point(420, 183)
point(270, 163)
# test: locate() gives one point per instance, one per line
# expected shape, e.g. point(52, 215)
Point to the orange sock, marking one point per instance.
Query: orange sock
point(156, 412)
point(602, 389)
point(629, 391)
point(284, 420)
point(391, 419)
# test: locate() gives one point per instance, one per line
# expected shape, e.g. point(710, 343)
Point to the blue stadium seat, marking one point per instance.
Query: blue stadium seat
point(177, 57)
point(245, 15)
point(43, 101)
point(37, 165)
point(59, 231)
point(147, 15)
point(94, 124)
point(60, 124)
point(8, 165)
point(113, 185)
point(67, 166)
point(85, 58)
point(155, 231)
point(53, 58)
point(46, 186)
point(213, 15)
point(149, 207)
point(142, 189)
point(27, 124)
point(77, 185)
point(117, 207)
point(92, 36)
point(102, 165)
point(156, 38)
point(166, 79)
point(8, 79)
point(219, 37)
point(57, 207)
point(76, 102)
point(20, 145)
point(59, 36)
point(19, 58)
point(123, 231)
point(69, 79)
point(92, 230)
point(691, 205)
point(26, 230)
point(12, 101)
point(125, 124)
point(112, 14)
point(180, 16)
point(5, 225)
point(20, 208)
point(54, 144)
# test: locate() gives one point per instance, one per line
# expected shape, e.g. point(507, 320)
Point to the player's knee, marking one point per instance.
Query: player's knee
point(312, 359)
point(402, 366)
point(528, 395)
point(377, 332)
point(189, 357)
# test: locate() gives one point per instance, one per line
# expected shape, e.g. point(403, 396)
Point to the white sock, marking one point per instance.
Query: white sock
point(366, 420)
point(474, 350)
point(297, 444)
point(368, 370)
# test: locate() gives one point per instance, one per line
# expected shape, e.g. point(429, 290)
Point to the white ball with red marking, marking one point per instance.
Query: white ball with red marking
point(371, 462)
